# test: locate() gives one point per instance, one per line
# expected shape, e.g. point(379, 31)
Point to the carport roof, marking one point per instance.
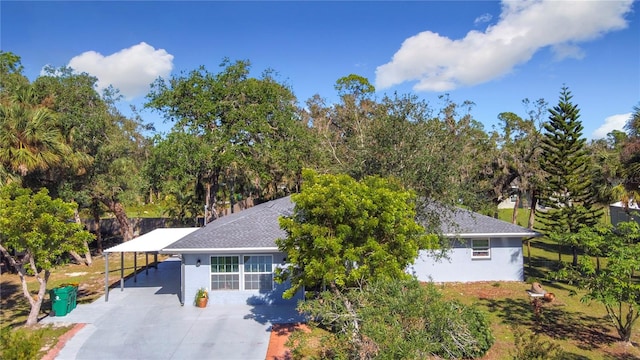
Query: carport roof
point(153, 241)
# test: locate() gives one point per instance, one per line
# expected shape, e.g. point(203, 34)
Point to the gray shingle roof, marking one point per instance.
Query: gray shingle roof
point(255, 227)
point(258, 227)
point(461, 222)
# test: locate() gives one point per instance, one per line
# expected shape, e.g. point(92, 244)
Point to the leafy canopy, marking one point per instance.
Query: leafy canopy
point(615, 287)
point(38, 225)
point(39, 231)
point(345, 232)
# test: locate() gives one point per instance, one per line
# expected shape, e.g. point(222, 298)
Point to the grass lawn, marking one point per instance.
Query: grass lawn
point(582, 330)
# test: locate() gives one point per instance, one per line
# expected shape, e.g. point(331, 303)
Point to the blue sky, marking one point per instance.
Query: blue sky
point(494, 54)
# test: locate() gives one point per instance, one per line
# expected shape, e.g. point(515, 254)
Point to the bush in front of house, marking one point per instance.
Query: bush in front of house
point(458, 331)
point(399, 319)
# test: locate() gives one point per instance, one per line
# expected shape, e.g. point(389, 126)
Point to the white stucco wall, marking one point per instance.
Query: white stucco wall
point(505, 264)
point(196, 277)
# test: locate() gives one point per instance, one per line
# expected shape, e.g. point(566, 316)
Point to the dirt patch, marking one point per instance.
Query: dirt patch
point(77, 273)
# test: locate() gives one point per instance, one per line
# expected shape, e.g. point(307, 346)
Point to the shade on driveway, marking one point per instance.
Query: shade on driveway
point(147, 322)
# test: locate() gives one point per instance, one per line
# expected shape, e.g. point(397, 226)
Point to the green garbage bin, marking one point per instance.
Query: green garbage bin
point(73, 296)
point(61, 300)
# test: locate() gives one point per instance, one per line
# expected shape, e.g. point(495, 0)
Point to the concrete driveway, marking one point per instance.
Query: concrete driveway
point(146, 321)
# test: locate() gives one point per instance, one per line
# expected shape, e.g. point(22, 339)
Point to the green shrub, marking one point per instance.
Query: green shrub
point(399, 319)
point(531, 347)
point(20, 344)
point(458, 331)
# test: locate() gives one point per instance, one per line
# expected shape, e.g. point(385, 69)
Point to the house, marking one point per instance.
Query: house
point(235, 256)
point(482, 248)
point(621, 212)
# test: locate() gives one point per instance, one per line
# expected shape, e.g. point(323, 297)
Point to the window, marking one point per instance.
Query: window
point(513, 198)
point(258, 274)
point(225, 273)
point(481, 249)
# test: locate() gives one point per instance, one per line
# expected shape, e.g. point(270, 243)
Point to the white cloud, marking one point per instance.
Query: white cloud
point(130, 70)
point(484, 18)
point(613, 122)
point(438, 63)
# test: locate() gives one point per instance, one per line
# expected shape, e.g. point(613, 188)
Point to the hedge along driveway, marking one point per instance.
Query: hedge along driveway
point(146, 321)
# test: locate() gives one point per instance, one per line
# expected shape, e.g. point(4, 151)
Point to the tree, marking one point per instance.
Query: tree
point(609, 179)
point(29, 137)
point(628, 190)
point(352, 121)
point(442, 157)
point(249, 126)
point(38, 228)
point(11, 76)
point(345, 232)
point(615, 286)
point(176, 167)
point(111, 145)
point(568, 192)
point(518, 161)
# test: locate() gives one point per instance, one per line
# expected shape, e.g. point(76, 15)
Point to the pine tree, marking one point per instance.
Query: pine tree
point(568, 193)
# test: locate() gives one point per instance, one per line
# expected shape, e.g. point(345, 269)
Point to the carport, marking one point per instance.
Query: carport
point(149, 243)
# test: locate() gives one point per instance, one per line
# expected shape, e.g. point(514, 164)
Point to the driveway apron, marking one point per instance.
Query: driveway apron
point(146, 321)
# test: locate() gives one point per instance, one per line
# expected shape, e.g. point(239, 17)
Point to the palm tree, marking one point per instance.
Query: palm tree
point(29, 138)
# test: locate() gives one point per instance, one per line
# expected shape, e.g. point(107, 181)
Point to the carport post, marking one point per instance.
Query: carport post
point(182, 279)
point(121, 271)
point(146, 263)
point(155, 260)
point(135, 267)
point(106, 276)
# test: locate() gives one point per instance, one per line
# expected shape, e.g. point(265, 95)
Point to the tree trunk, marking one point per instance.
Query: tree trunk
point(98, 230)
point(559, 253)
point(529, 254)
point(121, 216)
point(207, 206)
point(212, 188)
point(574, 251)
point(532, 211)
point(514, 216)
point(87, 252)
point(356, 337)
point(624, 325)
point(77, 258)
point(36, 303)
